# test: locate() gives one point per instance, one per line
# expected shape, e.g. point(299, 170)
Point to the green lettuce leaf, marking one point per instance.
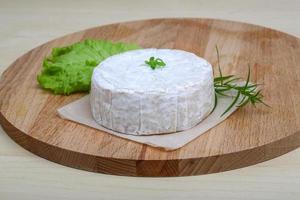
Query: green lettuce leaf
point(69, 69)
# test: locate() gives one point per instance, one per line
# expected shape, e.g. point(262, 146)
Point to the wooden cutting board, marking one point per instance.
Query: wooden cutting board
point(249, 136)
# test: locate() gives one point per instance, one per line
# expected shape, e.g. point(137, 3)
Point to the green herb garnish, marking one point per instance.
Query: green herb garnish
point(155, 63)
point(226, 84)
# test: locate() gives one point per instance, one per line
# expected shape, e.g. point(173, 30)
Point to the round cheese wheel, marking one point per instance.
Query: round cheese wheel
point(130, 97)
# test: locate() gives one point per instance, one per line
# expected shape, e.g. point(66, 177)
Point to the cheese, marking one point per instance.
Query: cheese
point(129, 97)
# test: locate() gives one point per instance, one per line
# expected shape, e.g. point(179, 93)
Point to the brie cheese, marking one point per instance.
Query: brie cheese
point(129, 97)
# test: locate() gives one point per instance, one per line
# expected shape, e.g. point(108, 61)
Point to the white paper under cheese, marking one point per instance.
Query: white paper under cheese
point(129, 97)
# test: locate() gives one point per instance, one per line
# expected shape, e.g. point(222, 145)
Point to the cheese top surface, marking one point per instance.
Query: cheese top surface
point(128, 71)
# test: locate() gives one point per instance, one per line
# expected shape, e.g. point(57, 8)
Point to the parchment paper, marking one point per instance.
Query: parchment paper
point(79, 111)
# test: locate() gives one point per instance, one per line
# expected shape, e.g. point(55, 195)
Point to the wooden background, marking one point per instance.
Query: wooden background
point(29, 114)
point(34, 176)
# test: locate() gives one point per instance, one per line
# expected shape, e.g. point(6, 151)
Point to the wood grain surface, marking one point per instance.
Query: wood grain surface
point(28, 114)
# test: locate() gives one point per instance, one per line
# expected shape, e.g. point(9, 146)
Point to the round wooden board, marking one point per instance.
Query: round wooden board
point(249, 136)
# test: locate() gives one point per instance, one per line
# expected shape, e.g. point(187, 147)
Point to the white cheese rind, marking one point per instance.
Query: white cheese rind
point(129, 97)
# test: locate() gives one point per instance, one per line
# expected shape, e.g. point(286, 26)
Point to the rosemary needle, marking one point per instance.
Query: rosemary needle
point(227, 84)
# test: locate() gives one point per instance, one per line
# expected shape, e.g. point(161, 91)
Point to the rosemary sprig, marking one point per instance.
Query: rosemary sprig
point(226, 85)
point(155, 63)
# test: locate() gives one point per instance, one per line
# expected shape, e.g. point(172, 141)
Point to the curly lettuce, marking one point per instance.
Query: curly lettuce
point(69, 69)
